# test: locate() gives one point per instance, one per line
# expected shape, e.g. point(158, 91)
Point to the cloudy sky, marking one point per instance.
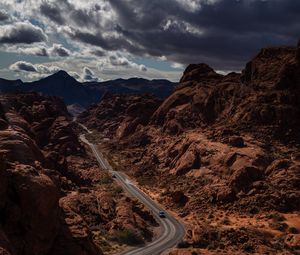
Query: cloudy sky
point(107, 39)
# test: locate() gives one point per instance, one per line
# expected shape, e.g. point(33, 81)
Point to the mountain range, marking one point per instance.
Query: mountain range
point(74, 92)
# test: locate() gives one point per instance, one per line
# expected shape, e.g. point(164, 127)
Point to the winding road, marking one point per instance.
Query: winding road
point(172, 231)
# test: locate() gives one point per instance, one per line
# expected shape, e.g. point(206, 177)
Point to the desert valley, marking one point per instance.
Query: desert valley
point(149, 127)
point(220, 153)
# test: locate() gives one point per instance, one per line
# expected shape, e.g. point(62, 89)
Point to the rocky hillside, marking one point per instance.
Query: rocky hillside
point(223, 151)
point(54, 199)
point(113, 110)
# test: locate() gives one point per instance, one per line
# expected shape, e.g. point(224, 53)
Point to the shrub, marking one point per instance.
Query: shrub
point(106, 180)
point(183, 244)
point(210, 216)
point(293, 230)
point(248, 247)
point(277, 217)
point(253, 210)
point(128, 237)
point(226, 221)
point(281, 226)
point(117, 190)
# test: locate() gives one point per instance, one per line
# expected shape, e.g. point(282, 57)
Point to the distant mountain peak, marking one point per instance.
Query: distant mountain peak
point(62, 73)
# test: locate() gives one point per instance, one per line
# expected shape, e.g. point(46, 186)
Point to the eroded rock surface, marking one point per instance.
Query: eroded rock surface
point(54, 199)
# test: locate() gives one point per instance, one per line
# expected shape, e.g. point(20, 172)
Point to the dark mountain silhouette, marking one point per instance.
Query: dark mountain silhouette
point(73, 92)
point(9, 85)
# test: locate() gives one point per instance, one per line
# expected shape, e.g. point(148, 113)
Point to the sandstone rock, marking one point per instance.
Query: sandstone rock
point(225, 195)
point(188, 161)
point(277, 165)
point(259, 71)
point(74, 236)
point(236, 141)
point(198, 71)
point(179, 198)
point(3, 182)
point(19, 147)
point(3, 124)
point(241, 179)
point(129, 110)
point(31, 220)
point(31, 211)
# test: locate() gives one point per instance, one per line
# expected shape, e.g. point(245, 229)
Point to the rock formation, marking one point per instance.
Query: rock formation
point(54, 199)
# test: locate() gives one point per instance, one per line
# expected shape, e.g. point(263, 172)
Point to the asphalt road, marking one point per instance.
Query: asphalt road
point(172, 231)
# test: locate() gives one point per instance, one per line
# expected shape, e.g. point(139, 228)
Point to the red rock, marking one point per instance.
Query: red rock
point(198, 71)
point(188, 161)
point(236, 141)
point(131, 111)
point(179, 198)
point(241, 179)
point(3, 124)
point(3, 182)
point(31, 219)
point(31, 211)
point(19, 147)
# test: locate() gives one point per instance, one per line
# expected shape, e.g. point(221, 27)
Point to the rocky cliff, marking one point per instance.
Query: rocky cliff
point(54, 199)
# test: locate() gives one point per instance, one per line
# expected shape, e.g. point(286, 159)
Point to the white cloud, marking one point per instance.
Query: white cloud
point(143, 68)
point(177, 66)
point(172, 24)
point(88, 75)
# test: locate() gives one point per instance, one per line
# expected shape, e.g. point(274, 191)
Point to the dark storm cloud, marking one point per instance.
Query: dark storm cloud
point(23, 66)
point(81, 17)
point(98, 53)
point(59, 50)
point(52, 11)
point(3, 16)
point(21, 32)
point(96, 39)
point(222, 33)
point(232, 30)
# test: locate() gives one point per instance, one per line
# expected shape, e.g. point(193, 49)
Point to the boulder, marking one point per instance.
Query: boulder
point(32, 207)
point(179, 198)
point(3, 124)
point(241, 179)
point(19, 147)
point(198, 71)
point(188, 161)
point(236, 141)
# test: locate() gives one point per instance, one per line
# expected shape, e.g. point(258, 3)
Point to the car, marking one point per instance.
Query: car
point(162, 214)
point(113, 176)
